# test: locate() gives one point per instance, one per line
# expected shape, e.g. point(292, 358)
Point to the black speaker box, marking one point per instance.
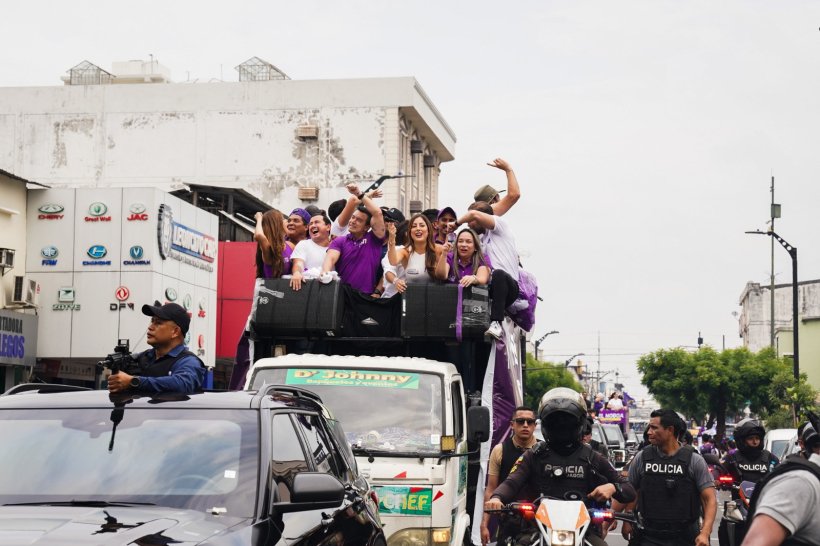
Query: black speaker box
point(430, 310)
point(314, 311)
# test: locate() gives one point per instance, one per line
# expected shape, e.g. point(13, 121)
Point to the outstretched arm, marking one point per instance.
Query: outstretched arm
point(376, 217)
point(513, 193)
point(487, 221)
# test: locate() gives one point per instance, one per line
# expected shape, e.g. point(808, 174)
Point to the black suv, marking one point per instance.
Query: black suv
point(254, 468)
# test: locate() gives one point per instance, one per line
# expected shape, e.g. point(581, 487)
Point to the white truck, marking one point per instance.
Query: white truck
point(408, 422)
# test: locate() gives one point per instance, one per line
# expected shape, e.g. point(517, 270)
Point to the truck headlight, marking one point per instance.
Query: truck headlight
point(563, 538)
point(420, 537)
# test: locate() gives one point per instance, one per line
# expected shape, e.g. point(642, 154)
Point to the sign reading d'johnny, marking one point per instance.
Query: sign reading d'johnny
point(18, 339)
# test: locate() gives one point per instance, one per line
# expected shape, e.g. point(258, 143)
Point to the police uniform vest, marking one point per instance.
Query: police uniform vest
point(160, 367)
point(669, 497)
point(559, 474)
point(509, 454)
point(752, 470)
point(790, 464)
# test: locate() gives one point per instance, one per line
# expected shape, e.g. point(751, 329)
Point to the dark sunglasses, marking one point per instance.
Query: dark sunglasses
point(521, 421)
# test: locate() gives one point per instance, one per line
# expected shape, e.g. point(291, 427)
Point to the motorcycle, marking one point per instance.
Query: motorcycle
point(554, 522)
point(733, 524)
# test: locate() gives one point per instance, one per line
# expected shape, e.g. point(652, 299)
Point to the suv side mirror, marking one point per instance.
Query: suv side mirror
point(478, 424)
point(312, 491)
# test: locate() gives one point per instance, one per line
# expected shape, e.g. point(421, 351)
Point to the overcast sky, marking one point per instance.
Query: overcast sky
point(644, 134)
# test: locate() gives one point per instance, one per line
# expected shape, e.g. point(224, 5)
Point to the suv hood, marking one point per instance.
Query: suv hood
point(53, 525)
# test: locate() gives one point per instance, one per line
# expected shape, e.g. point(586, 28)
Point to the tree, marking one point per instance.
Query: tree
point(783, 393)
point(711, 382)
point(543, 376)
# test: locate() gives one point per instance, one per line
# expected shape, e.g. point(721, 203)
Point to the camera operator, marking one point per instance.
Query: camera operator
point(169, 366)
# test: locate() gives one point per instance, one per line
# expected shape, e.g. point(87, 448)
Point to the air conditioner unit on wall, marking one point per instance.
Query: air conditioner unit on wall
point(6, 258)
point(307, 132)
point(26, 291)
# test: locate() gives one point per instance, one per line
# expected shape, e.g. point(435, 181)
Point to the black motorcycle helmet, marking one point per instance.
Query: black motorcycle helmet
point(563, 414)
point(744, 429)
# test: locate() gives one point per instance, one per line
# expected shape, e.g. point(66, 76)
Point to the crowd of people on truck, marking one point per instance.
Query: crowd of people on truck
point(378, 252)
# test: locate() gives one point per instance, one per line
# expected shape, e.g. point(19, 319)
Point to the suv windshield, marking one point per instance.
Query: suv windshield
point(192, 459)
point(382, 410)
point(614, 436)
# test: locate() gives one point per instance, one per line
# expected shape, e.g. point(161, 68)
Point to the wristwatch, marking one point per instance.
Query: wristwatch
point(135, 382)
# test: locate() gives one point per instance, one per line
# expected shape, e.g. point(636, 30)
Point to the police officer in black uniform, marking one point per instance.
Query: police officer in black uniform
point(673, 484)
point(168, 366)
point(750, 463)
point(563, 466)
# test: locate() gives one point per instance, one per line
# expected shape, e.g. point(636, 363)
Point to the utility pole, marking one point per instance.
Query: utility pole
point(775, 213)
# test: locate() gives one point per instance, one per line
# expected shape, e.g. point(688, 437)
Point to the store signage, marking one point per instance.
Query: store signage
point(202, 304)
point(170, 294)
point(18, 338)
point(137, 253)
point(50, 212)
point(122, 293)
point(186, 302)
point(183, 243)
point(121, 305)
point(97, 253)
point(137, 213)
point(49, 254)
point(65, 297)
point(97, 213)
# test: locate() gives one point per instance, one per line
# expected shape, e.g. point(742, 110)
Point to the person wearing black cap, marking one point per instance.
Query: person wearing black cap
point(168, 366)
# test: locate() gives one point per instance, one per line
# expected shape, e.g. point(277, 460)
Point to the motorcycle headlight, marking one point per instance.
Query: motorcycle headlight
point(563, 538)
point(420, 537)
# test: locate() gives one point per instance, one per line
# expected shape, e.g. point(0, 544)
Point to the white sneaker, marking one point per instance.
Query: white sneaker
point(494, 330)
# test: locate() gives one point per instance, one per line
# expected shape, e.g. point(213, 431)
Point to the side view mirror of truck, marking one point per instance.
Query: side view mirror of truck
point(312, 491)
point(478, 424)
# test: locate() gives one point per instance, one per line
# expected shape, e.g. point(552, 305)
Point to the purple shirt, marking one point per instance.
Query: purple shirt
point(358, 260)
point(463, 269)
point(286, 264)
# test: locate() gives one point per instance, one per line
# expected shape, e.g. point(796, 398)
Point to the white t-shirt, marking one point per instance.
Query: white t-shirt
point(499, 244)
point(310, 253)
point(338, 231)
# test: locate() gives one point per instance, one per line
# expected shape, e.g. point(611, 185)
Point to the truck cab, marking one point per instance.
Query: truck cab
point(409, 426)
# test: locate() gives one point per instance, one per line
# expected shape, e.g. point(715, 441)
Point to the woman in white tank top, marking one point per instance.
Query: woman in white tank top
point(420, 254)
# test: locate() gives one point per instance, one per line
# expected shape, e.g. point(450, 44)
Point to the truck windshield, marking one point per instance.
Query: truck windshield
point(382, 410)
point(192, 459)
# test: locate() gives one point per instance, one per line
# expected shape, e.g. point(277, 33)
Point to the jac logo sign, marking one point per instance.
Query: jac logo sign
point(137, 213)
point(50, 212)
point(97, 213)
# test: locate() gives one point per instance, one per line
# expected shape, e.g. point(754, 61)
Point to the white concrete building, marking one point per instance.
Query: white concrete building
point(287, 142)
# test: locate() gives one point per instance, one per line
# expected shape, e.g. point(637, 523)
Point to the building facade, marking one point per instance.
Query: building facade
point(755, 322)
point(288, 143)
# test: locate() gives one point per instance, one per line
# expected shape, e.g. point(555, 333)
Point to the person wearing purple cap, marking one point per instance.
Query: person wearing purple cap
point(168, 366)
point(297, 225)
point(445, 225)
point(356, 256)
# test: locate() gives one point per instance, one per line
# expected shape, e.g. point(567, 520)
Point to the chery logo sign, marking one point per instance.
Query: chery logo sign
point(50, 212)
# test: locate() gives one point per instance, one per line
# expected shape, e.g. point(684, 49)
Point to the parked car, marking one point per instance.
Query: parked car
point(268, 467)
point(781, 441)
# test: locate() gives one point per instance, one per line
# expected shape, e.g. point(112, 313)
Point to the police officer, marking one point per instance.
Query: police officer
point(168, 366)
point(673, 483)
point(503, 457)
point(563, 466)
point(750, 463)
point(786, 503)
point(600, 447)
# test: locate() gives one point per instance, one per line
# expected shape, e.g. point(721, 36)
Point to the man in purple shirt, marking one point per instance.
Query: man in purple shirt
point(357, 255)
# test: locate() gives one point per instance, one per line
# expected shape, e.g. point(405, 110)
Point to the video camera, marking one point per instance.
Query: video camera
point(119, 359)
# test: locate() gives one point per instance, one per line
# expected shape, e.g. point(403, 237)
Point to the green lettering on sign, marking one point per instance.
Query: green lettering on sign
point(353, 378)
point(405, 501)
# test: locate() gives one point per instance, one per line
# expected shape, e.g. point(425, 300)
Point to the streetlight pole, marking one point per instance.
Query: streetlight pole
point(570, 359)
point(792, 250)
point(541, 339)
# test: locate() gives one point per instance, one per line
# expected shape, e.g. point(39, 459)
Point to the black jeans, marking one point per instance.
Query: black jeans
point(503, 291)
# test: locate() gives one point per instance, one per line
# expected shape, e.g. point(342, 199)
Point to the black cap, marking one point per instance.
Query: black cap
point(169, 311)
point(392, 215)
point(313, 210)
